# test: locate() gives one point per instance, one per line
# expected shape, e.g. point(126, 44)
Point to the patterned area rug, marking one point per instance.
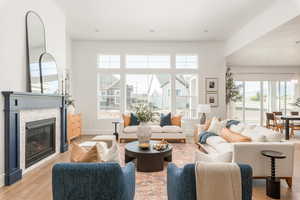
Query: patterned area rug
point(153, 186)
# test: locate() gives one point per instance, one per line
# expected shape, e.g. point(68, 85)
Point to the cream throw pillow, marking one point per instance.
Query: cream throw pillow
point(215, 126)
point(108, 154)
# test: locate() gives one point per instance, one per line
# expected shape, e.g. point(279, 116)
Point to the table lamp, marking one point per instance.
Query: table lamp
point(203, 108)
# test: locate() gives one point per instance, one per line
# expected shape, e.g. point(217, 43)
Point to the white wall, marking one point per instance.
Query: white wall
point(84, 57)
point(13, 47)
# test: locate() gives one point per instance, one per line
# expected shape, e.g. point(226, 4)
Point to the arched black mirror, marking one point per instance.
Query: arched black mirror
point(50, 82)
point(36, 46)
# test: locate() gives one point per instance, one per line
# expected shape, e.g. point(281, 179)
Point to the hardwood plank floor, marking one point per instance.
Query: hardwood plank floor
point(36, 184)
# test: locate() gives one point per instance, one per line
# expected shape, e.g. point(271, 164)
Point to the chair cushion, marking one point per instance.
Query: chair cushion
point(134, 121)
point(172, 129)
point(176, 120)
point(130, 129)
point(126, 119)
point(233, 137)
point(165, 120)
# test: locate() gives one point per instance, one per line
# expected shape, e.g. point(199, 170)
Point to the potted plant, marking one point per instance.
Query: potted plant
point(144, 133)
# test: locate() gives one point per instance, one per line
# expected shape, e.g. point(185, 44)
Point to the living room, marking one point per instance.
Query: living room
point(158, 99)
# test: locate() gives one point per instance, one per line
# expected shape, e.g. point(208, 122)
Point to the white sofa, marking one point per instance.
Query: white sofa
point(250, 153)
point(170, 133)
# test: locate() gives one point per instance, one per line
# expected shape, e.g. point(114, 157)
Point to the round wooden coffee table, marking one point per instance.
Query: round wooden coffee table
point(149, 160)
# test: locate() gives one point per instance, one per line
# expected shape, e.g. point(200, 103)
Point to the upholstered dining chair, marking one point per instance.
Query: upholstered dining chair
point(273, 123)
point(93, 181)
point(181, 182)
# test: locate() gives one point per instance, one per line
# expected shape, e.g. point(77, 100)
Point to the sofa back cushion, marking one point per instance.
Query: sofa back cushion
point(233, 137)
point(215, 126)
point(134, 121)
point(165, 120)
point(126, 119)
point(176, 120)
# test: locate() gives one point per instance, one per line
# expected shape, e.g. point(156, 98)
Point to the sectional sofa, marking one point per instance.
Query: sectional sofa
point(250, 152)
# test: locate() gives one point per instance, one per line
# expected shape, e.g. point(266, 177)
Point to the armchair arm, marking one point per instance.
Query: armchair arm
point(129, 176)
point(181, 186)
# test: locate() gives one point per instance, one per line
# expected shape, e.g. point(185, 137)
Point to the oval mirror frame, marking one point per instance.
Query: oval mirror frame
point(49, 74)
point(36, 45)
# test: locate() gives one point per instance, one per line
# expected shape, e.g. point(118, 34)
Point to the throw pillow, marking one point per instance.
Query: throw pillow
point(176, 120)
point(134, 121)
point(80, 154)
point(239, 128)
point(165, 120)
point(108, 154)
point(231, 122)
point(126, 119)
point(222, 157)
point(207, 124)
point(215, 126)
point(233, 137)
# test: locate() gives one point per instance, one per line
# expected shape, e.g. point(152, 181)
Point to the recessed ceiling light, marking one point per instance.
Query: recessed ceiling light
point(297, 42)
point(151, 30)
point(205, 31)
point(97, 30)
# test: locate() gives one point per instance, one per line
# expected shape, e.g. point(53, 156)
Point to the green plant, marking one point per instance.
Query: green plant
point(70, 101)
point(232, 90)
point(144, 113)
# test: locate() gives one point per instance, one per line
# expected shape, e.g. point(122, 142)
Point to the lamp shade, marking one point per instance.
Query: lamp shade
point(203, 108)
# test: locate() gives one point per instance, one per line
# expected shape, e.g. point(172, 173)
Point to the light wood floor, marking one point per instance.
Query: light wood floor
point(36, 184)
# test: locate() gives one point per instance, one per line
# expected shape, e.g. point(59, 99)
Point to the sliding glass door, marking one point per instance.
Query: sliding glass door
point(252, 102)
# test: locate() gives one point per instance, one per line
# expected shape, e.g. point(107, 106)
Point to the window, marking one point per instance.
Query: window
point(151, 89)
point(186, 87)
point(186, 61)
point(148, 61)
point(108, 96)
point(259, 97)
point(108, 61)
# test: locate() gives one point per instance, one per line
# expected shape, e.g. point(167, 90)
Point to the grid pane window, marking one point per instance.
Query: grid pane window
point(150, 89)
point(186, 87)
point(237, 109)
point(186, 61)
point(109, 61)
point(108, 96)
point(148, 61)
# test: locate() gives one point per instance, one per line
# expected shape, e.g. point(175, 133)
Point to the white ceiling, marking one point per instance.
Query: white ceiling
point(177, 20)
point(277, 48)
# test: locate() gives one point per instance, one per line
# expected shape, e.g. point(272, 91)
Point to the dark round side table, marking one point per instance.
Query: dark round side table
point(273, 183)
point(116, 129)
point(149, 160)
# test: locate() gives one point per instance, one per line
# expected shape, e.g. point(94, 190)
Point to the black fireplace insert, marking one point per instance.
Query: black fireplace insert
point(40, 140)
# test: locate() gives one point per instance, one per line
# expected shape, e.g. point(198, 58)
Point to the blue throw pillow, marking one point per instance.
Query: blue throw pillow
point(165, 120)
point(134, 121)
point(231, 122)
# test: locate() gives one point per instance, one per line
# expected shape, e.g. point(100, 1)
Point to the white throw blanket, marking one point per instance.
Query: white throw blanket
point(216, 181)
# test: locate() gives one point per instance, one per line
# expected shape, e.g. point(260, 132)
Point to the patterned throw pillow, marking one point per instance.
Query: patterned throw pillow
point(134, 121)
point(165, 120)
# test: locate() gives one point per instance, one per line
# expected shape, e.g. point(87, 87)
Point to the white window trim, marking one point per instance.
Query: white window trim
point(123, 71)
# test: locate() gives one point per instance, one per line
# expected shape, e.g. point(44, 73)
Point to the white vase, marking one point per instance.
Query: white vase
point(144, 133)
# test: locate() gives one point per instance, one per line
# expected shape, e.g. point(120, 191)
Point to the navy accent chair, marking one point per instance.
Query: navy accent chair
point(181, 182)
point(93, 181)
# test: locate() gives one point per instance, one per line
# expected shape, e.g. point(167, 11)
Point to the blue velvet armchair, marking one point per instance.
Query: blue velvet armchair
point(181, 182)
point(93, 181)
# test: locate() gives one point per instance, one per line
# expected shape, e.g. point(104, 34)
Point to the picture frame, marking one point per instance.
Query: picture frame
point(211, 85)
point(212, 99)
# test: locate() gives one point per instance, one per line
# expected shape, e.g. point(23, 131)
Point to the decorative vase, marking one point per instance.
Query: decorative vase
point(144, 133)
point(71, 109)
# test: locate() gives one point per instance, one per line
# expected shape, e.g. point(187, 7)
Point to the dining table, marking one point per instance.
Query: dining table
point(287, 120)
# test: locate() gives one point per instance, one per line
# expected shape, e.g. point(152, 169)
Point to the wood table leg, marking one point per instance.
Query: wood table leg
point(128, 158)
point(150, 163)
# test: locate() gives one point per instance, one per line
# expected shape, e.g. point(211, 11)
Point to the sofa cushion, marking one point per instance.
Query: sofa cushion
point(237, 128)
point(130, 129)
point(224, 147)
point(215, 140)
point(172, 129)
point(271, 136)
point(215, 126)
point(126, 119)
point(222, 157)
point(254, 135)
point(156, 128)
point(233, 137)
point(176, 120)
point(165, 120)
point(134, 121)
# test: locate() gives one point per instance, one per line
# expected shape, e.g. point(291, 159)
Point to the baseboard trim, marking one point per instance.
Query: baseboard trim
point(2, 180)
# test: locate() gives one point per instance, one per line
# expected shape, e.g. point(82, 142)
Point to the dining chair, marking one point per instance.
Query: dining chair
point(294, 125)
point(273, 123)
